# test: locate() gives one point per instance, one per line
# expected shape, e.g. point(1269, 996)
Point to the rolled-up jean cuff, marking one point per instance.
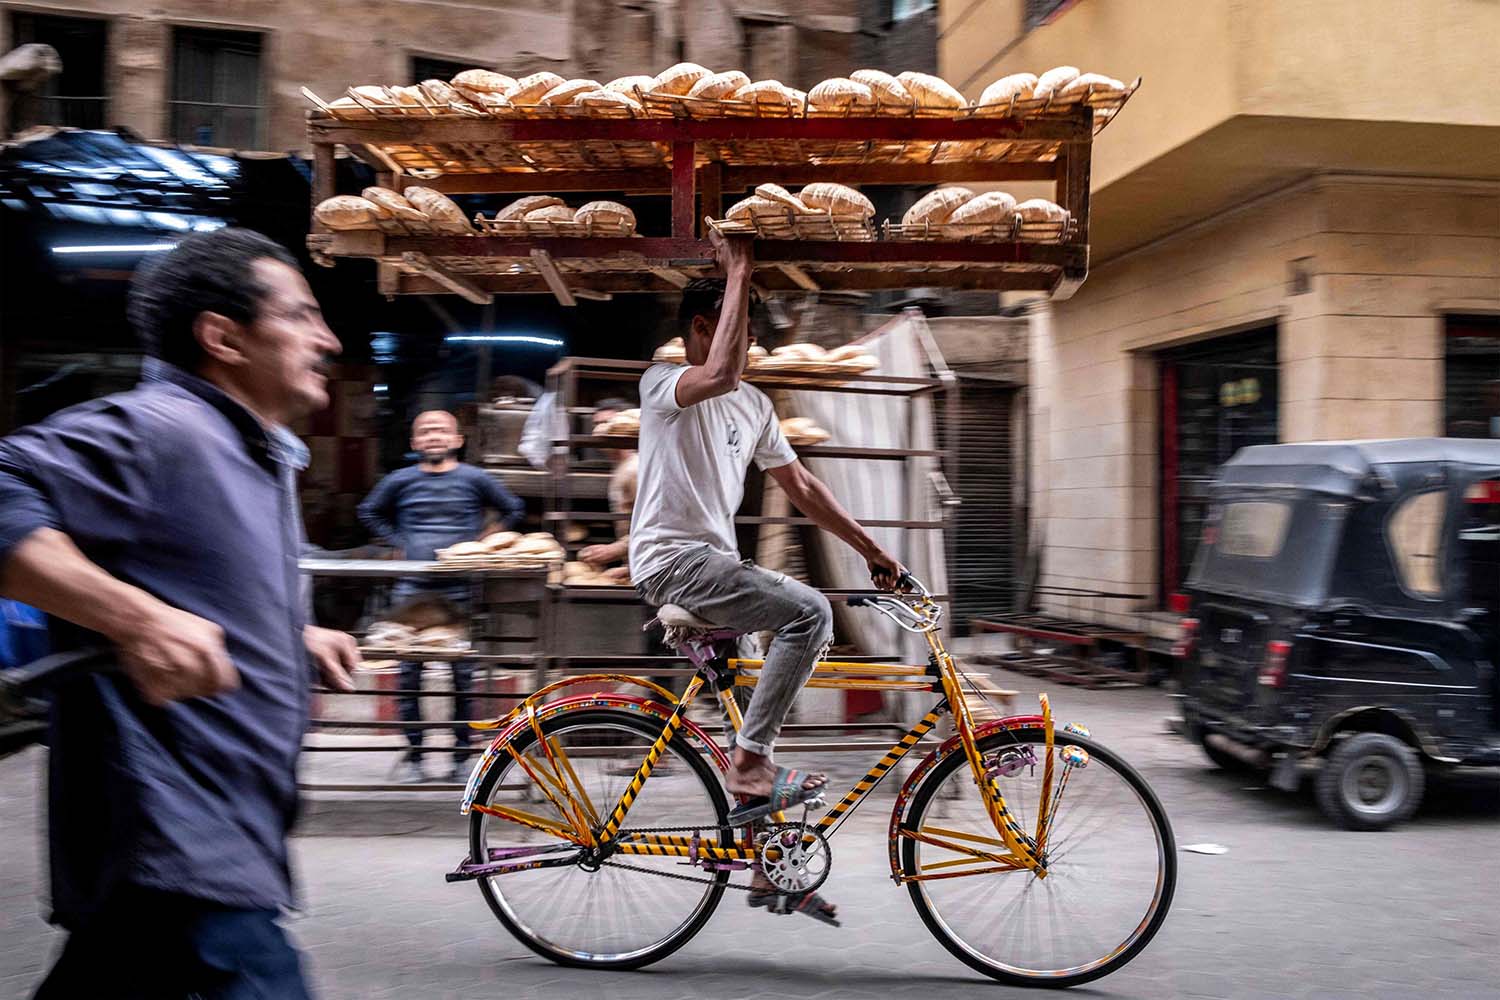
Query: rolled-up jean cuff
point(764, 749)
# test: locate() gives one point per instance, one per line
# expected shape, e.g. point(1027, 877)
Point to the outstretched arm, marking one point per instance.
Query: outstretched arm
point(812, 497)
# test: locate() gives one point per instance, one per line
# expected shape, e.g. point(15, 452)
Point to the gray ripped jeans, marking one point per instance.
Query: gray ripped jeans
point(744, 596)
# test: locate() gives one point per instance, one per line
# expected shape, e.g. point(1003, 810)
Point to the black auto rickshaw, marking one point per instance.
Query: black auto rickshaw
point(1344, 608)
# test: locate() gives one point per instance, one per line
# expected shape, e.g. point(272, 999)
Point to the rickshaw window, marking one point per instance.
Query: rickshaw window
point(1253, 529)
point(1414, 535)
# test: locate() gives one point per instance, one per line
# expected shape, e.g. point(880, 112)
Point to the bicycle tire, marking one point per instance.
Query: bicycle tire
point(995, 968)
point(649, 728)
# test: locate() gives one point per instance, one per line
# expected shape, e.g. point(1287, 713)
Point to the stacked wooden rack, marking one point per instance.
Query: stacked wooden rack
point(699, 156)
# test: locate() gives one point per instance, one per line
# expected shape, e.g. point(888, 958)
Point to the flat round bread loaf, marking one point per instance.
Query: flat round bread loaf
point(799, 352)
point(1054, 80)
point(609, 213)
point(483, 99)
point(756, 207)
point(606, 99)
point(756, 352)
point(839, 94)
point(678, 80)
point(550, 213)
point(370, 94)
point(775, 192)
point(500, 540)
point(630, 84)
point(464, 549)
point(836, 199)
point(988, 209)
point(408, 97)
point(1041, 210)
point(518, 208)
point(1017, 86)
point(438, 92)
point(394, 205)
point(436, 206)
point(932, 91)
point(564, 92)
point(485, 81)
point(530, 89)
point(767, 92)
point(1093, 81)
point(935, 207)
point(347, 212)
point(886, 89)
point(845, 352)
point(718, 86)
point(348, 107)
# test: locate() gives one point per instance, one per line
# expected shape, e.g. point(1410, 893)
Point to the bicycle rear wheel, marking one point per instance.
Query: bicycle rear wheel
point(609, 917)
point(1111, 861)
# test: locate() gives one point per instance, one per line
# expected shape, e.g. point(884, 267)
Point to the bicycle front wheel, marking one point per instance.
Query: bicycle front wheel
point(1111, 866)
point(605, 915)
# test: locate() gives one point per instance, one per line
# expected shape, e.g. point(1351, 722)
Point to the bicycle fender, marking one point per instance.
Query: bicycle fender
point(914, 780)
point(601, 699)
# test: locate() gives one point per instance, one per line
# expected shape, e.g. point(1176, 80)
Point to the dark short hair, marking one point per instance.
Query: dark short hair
point(705, 297)
point(206, 272)
point(616, 403)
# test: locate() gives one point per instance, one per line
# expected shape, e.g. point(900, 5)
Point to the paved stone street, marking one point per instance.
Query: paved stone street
point(1295, 908)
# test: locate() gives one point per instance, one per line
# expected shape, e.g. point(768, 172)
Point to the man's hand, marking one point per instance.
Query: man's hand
point(172, 655)
point(600, 556)
point(885, 571)
point(335, 653)
point(736, 254)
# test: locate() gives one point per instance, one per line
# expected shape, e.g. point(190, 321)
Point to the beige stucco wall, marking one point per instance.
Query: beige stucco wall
point(1360, 351)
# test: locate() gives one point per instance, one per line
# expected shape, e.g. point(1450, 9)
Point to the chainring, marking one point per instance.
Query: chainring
point(795, 857)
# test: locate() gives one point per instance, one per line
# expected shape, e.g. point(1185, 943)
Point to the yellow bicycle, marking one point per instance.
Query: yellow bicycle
point(599, 834)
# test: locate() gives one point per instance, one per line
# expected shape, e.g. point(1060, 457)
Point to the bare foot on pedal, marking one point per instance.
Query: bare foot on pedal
point(754, 776)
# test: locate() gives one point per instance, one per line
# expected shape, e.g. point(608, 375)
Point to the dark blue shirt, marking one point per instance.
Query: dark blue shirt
point(421, 512)
point(179, 490)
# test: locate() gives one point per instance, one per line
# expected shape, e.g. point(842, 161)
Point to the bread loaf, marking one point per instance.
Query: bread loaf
point(836, 199)
point(438, 207)
point(500, 540)
point(348, 107)
point(718, 86)
point(772, 92)
point(485, 81)
point(932, 91)
point(377, 96)
point(677, 80)
point(518, 208)
point(886, 89)
point(777, 193)
point(799, 352)
point(564, 92)
point(935, 207)
point(841, 94)
point(989, 209)
point(438, 92)
point(347, 212)
point(409, 97)
point(1017, 86)
point(1041, 210)
point(550, 213)
point(1054, 80)
point(756, 207)
point(606, 99)
point(607, 213)
point(630, 84)
point(531, 89)
point(845, 353)
point(1095, 82)
point(393, 204)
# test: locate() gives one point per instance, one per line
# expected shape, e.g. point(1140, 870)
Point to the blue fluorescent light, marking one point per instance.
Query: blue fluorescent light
point(501, 338)
point(115, 248)
point(381, 387)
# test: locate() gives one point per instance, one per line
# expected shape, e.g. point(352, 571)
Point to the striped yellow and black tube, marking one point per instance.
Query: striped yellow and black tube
point(674, 722)
point(677, 846)
point(873, 776)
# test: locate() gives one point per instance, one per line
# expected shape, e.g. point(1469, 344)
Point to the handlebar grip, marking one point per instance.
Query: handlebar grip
point(858, 602)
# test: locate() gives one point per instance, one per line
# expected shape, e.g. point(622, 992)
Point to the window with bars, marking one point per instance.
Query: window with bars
point(76, 96)
point(216, 88)
point(431, 68)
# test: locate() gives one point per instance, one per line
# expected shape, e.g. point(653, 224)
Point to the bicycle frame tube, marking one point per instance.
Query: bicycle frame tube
point(674, 722)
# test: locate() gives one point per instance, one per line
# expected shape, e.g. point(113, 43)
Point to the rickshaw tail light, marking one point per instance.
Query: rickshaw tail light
point(1179, 604)
point(1273, 674)
point(1187, 638)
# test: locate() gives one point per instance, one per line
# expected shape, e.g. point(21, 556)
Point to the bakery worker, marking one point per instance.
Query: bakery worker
point(436, 503)
point(163, 522)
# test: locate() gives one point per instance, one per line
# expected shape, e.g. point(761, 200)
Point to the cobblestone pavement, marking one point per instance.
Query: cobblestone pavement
point(1294, 909)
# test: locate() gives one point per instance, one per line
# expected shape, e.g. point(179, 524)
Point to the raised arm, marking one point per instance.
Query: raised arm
point(726, 357)
point(812, 497)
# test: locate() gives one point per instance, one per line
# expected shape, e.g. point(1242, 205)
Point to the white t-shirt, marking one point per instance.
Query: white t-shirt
point(692, 467)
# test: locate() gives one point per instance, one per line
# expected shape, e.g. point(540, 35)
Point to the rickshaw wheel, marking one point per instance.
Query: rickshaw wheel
point(1371, 781)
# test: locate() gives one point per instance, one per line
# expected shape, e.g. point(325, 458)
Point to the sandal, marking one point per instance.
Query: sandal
point(786, 791)
point(809, 903)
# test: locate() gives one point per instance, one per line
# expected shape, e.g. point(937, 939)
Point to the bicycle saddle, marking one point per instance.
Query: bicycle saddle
point(673, 616)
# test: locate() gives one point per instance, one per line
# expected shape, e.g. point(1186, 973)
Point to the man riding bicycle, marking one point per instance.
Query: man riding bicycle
point(701, 426)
